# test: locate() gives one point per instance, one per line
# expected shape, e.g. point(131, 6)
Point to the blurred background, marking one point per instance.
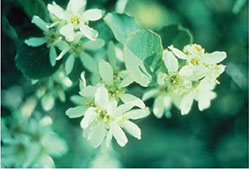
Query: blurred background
point(216, 137)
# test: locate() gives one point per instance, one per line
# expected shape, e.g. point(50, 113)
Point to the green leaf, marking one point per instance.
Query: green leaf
point(34, 62)
point(69, 64)
point(121, 25)
point(175, 35)
point(142, 55)
point(34, 7)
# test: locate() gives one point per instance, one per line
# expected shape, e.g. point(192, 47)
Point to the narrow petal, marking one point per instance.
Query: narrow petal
point(186, 71)
point(186, 104)
point(126, 81)
point(178, 53)
point(69, 64)
point(132, 129)
point(63, 52)
point(112, 54)
point(90, 33)
point(109, 138)
point(76, 111)
point(40, 23)
point(88, 91)
point(137, 113)
point(118, 133)
point(57, 11)
point(34, 42)
point(68, 32)
point(77, 100)
point(158, 109)
point(170, 61)
point(47, 102)
point(131, 99)
point(76, 6)
point(52, 56)
point(97, 135)
point(89, 116)
point(214, 58)
point(102, 97)
point(123, 108)
point(112, 106)
point(94, 45)
point(149, 94)
point(106, 72)
point(92, 14)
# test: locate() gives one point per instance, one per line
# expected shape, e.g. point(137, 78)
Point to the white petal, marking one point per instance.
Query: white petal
point(92, 15)
point(137, 113)
point(158, 109)
point(40, 23)
point(68, 32)
point(170, 61)
point(89, 116)
point(76, 111)
point(90, 33)
point(97, 135)
point(57, 11)
point(88, 91)
point(102, 97)
point(109, 138)
point(123, 108)
point(167, 102)
point(94, 45)
point(118, 133)
point(178, 53)
point(111, 108)
point(149, 94)
point(52, 56)
point(215, 57)
point(69, 64)
point(186, 71)
point(126, 81)
point(76, 6)
point(132, 100)
point(106, 72)
point(132, 129)
point(63, 52)
point(47, 102)
point(186, 103)
point(204, 99)
point(34, 42)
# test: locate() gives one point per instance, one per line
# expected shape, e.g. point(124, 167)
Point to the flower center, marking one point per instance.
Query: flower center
point(195, 61)
point(198, 48)
point(103, 114)
point(75, 20)
point(77, 48)
point(51, 37)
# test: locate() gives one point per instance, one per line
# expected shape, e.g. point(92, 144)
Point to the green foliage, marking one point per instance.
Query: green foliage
point(34, 7)
point(175, 35)
point(142, 53)
point(34, 62)
point(121, 25)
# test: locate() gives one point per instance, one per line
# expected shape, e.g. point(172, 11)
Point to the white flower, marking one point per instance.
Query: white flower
point(51, 37)
point(75, 19)
point(106, 120)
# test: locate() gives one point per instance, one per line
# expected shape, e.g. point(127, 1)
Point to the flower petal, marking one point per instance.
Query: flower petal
point(109, 138)
point(76, 6)
point(149, 94)
point(76, 111)
point(97, 135)
point(77, 100)
point(40, 23)
point(90, 33)
point(178, 53)
point(47, 102)
point(34, 42)
point(106, 72)
point(186, 103)
point(132, 129)
point(186, 71)
point(111, 108)
point(88, 91)
point(92, 15)
point(137, 113)
point(94, 45)
point(102, 97)
point(52, 56)
point(68, 32)
point(69, 64)
point(89, 63)
point(118, 133)
point(215, 57)
point(158, 109)
point(88, 118)
point(170, 61)
point(57, 11)
point(132, 100)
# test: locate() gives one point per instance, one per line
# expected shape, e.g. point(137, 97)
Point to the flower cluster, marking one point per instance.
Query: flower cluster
point(30, 142)
point(68, 32)
point(190, 75)
point(103, 117)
